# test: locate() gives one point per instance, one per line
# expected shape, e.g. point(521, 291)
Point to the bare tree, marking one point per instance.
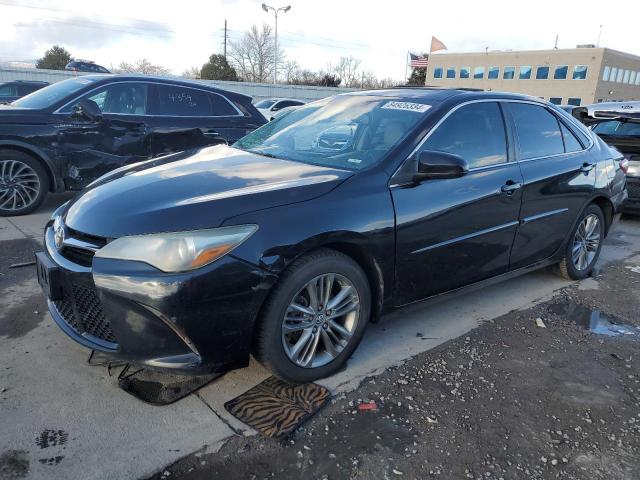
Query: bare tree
point(290, 70)
point(347, 70)
point(143, 66)
point(192, 73)
point(254, 54)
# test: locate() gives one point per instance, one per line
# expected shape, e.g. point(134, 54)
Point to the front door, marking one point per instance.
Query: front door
point(454, 232)
point(559, 178)
point(92, 147)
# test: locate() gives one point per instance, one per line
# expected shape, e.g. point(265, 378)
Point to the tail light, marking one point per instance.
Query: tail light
point(624, 165)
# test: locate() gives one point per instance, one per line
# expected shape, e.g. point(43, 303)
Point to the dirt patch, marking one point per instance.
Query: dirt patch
point(531, 395)
point(14, 464)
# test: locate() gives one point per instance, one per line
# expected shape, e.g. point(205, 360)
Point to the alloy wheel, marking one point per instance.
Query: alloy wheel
point(320, 320)
point(586, 242)
point(19, 185)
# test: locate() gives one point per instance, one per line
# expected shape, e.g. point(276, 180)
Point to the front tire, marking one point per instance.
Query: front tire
point(23, 183)
point(315, 317)
point(583, 249)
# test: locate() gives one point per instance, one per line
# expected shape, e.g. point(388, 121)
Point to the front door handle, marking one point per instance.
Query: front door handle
point(587, 167)
point(510, 187)
point(211, 133)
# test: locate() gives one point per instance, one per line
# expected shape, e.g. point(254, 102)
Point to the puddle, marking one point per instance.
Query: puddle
point(593, 320)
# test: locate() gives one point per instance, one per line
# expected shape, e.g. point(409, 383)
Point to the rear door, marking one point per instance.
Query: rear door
point(559, 178)
point(184, 117)
point(457, 231)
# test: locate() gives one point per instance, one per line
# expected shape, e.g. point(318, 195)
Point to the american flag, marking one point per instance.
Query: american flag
point(417, 61)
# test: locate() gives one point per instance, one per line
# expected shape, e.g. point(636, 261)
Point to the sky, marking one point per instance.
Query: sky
point(315, 33)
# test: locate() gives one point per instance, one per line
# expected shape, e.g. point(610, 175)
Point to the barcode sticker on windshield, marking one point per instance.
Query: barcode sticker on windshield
point(411, 107)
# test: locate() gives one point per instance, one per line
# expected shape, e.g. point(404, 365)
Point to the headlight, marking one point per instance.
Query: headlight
point(179, 251)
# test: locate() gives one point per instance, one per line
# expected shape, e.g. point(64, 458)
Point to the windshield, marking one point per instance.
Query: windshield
point(265, 103)
point(47, 96)
point(618, 128)
point(350, 132)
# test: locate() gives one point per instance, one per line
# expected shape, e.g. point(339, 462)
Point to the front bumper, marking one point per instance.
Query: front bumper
point(196, 322)
point(632, 205)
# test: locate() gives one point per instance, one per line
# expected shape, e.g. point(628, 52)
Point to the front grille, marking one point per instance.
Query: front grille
point(82, 310)
point(633, 188)
point(81, 247)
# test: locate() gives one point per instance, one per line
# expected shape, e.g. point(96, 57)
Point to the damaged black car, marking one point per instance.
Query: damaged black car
point(286, 244)
point(66, 135)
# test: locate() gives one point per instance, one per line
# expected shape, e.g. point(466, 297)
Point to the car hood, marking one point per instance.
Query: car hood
point(194, 190)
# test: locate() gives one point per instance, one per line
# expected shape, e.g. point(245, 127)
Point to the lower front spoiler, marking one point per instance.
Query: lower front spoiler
point(190, 362)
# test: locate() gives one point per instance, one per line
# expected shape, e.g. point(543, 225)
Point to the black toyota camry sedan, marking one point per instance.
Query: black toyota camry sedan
point(66, 135)
point(288, 243)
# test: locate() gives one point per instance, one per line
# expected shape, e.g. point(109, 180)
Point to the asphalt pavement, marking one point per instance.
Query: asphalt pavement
point(61, 418)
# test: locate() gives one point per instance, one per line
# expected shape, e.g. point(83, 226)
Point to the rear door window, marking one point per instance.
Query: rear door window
point(538, 131)
point(475, 132)
point(179, 101)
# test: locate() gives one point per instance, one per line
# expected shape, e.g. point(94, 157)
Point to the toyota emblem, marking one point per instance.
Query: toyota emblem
point(58, 236)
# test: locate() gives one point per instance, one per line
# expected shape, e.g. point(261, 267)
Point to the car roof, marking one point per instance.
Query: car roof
point(441, 94)
point(105, 77)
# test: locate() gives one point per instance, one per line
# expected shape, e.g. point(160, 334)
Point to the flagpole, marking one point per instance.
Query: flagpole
point(406, 64)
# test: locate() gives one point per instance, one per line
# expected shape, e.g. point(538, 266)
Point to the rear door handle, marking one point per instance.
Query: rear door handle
point(510, 187)
point(587, 167)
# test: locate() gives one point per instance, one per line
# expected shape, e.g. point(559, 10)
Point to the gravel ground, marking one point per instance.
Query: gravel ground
point(530, 395)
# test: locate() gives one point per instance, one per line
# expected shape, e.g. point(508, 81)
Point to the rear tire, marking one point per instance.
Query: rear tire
point(584, 245)
point(23, 183)
point(302, 335)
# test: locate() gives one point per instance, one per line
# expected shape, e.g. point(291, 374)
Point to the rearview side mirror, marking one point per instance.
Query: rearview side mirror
point(87, 110)
point(434, 164)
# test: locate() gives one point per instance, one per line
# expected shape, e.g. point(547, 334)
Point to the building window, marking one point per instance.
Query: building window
point(637, 78)
point(614, 74)
point(478, 72)
point(560, 72)
point(619, 75)
point(632, 80)
point(437, 72)
point(509, 73)
point(625, 78)
point(525, 73)
point(542, 73)
point(464, 72)
point(606, 72)
point(451, 72)
point(574, 101)
point(580, 72)
point(494, 72)
point(555, 100)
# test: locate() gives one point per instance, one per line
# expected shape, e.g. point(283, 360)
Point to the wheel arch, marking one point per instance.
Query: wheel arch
point(55, 184)
point(607, 208)
point(351, 244)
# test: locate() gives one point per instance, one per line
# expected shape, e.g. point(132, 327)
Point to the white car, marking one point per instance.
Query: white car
point(270, 106)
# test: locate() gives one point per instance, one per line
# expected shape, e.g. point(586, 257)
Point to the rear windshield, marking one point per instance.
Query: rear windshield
point(265, 103)
point(48, 96)
point(350, 132)
point(616, 128)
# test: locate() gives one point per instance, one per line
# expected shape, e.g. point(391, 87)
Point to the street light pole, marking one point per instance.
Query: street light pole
point(266, 8)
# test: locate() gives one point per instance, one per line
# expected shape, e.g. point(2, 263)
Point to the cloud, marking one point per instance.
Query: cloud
point(85, 32)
